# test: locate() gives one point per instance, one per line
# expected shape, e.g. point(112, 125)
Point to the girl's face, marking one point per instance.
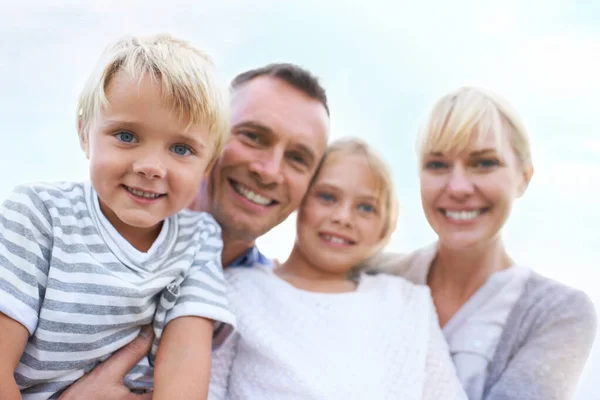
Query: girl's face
point(340, 220)
point(467, 196)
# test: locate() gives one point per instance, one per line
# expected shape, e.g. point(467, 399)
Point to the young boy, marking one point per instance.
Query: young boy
point(83, 266)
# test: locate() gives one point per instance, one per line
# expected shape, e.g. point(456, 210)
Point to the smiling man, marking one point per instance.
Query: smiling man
point(279, 129)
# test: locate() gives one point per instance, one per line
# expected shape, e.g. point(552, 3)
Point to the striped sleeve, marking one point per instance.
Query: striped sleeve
point(25, 247)
point(203, 290)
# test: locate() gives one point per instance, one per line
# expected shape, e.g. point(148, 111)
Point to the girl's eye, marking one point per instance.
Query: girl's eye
point(327, 197)
point(126, 137)
point(181, 150)
point(435, 165)
point(368, 208)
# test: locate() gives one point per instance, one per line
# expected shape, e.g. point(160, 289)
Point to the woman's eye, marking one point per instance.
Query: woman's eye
point(435, 165)
point(126, 137)
point(181, 150)
point(487, 163)
point(368, 208)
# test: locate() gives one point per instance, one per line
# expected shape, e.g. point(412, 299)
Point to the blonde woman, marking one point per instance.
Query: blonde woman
point(315, 327)
point(512, 333)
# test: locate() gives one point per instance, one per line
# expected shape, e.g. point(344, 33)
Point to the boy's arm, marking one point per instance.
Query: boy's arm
point(25, 227)
point(182, 367)
point(183, 363)
point(12, 344)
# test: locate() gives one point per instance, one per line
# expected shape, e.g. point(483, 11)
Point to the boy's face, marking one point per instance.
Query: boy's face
point(146, 163)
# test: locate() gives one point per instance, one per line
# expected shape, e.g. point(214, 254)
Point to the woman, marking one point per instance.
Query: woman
point(512, 333)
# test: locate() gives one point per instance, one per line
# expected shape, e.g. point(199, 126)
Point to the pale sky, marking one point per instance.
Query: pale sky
point(383, 64)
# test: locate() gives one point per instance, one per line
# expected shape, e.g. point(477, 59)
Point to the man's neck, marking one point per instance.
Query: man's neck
point(233, 248)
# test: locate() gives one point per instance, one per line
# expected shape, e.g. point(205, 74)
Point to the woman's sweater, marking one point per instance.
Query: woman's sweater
point(380, 342)
point(546, 339)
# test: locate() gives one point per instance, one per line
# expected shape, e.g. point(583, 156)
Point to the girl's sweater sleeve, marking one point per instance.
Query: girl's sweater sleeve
point(441, 381)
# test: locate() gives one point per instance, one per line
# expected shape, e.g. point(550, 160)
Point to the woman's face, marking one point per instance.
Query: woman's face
point(467, 196)
point(340, 220)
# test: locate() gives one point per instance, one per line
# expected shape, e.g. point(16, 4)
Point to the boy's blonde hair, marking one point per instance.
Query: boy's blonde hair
point(457, 117)
point(186, 74)
point(388, 197)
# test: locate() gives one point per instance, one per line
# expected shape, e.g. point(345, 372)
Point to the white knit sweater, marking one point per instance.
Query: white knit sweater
point(381, 341)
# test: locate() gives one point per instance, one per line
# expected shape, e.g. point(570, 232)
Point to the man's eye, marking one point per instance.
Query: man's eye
point(126, 137)
point(250, 136)
point(182, 150)
point(298, 158)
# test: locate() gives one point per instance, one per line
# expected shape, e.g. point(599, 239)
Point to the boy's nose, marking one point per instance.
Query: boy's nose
point(150, 168)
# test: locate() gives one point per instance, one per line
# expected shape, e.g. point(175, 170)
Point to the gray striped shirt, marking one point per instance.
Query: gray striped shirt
point(82, 294)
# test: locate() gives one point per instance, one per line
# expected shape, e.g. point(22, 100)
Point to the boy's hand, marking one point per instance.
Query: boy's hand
point(105, 382)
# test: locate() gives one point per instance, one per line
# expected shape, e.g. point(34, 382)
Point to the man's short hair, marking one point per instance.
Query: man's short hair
point(187, 77)
point(292, 74)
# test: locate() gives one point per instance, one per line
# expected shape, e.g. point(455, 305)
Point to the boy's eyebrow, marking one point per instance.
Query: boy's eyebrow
point(482, 152)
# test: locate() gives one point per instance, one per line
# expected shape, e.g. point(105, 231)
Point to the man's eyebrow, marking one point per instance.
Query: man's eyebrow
point(257, 126)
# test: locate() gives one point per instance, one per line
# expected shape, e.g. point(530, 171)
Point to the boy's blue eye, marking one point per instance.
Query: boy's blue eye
point(181, 150)
point(126, 137)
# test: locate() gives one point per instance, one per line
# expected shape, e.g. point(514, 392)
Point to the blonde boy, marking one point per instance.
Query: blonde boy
point(83, 266)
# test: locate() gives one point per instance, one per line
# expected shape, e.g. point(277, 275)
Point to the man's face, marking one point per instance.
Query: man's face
point(278, 136)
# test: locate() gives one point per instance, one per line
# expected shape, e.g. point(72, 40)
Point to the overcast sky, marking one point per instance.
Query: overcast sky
point(383, 63)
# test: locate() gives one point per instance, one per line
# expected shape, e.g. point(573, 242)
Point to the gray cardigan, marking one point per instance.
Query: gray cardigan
point(545, 343)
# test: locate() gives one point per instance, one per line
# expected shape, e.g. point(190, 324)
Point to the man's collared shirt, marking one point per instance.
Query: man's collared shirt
point(251, 258)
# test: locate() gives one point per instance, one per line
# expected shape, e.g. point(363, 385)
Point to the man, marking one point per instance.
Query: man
point(279, 129)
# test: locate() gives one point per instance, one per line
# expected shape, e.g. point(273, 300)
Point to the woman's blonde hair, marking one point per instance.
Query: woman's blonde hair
point(187, 76)
point(388, 198)
point(458, 117)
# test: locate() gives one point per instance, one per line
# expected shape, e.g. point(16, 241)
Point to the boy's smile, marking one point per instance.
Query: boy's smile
point(146, 162)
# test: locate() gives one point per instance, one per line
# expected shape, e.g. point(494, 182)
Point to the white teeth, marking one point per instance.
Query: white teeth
point(463, 215)
point(250, 195)
point(141, 193)
point(335, 239)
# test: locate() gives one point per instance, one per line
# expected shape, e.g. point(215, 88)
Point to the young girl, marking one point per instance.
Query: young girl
point(315, 327)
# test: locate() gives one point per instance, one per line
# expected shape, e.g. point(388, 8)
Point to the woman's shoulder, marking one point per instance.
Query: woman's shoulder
point(556, 301)
point(412, 266)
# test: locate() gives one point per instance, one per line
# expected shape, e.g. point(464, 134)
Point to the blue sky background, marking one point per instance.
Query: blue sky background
point(383, 63)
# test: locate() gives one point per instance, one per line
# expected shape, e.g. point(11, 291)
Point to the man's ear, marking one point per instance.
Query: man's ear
point(527, 175)
point(84, 141)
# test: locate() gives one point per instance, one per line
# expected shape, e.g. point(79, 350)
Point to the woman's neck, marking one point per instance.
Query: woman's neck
point(455, 275)
point(300, 272)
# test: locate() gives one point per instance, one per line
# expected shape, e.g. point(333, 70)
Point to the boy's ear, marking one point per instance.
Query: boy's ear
point(209, 168)
point(84, 142)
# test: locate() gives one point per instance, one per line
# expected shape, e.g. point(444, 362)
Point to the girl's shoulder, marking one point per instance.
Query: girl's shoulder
point(390, 286)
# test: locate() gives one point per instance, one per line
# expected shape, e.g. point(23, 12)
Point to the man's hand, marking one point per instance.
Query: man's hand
point(105, 382)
